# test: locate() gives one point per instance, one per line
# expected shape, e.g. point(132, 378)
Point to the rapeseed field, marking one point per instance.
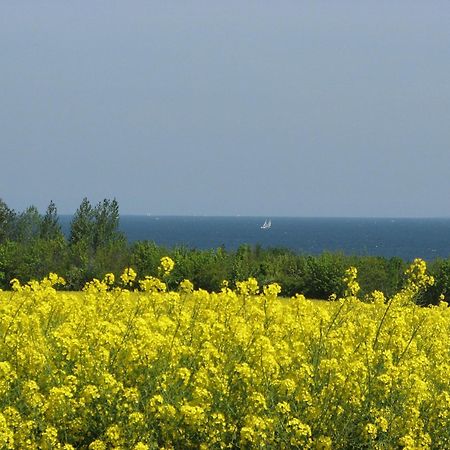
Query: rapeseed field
point(125, 364)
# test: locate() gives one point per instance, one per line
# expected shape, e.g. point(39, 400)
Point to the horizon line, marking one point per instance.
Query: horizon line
point(279, 216)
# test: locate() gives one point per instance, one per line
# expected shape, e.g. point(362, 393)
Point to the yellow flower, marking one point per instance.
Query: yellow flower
point(232, 368)
point(417, 277)
point(128, 276)
point(186, 286)
point(193, 415)
point(152, 284)
point(141, 446)
point(258, 401)
point(114, 435)
point(166, 266)
point(350, 280)
point(370, 430)
point(97, 445)
point(323, 443)
point(6, 434)
point(300, 432)
point(109, 279)
point(272, 290)
point(248, 287)
point(382, 424)
point(283, 408)
point(15, 284)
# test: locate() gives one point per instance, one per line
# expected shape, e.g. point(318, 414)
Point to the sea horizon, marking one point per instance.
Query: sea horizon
point(275, 215)
point(405, 237)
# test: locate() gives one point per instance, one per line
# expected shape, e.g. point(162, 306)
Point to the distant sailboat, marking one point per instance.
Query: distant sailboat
point(266, 225)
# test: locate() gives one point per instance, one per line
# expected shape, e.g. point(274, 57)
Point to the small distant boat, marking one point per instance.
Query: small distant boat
point(266, 225)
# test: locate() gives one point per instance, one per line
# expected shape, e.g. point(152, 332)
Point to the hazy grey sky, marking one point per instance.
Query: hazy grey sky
point(298, 108)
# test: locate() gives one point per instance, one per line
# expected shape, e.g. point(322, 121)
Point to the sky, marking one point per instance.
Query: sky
point(255, 108)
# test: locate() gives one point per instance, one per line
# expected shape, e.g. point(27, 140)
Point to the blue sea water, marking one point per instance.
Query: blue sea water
point(405, 238)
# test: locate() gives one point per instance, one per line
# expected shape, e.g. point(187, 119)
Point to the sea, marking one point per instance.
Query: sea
point(405, 238)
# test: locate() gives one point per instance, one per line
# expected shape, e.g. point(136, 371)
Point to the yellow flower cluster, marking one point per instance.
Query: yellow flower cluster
point(128, 276)
point(350, 280)
point(417, 276)
point(107, 368)
point(166, 266)
point(248, 287)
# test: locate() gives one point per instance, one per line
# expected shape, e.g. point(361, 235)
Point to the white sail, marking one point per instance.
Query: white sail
point(267, 224)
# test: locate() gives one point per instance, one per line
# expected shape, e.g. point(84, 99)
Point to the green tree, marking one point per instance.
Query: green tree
point(324, 275)
point(7, 219)
point(96, 245)
point(82, 225)
point(440, 269)
point(145, 257)
point(50, 228)
point(206, 269)
point(28, 225)
point(244, 265)
point(37, 258)
point(106, 223)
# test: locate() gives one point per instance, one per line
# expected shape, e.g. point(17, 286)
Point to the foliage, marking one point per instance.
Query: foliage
point(325, 275)
point(205, 269)
point(27, 225)
point(50, 228)
point(81, 228)
point(7, 217)
point(105, 223)
point(440, 290)
point(145, 257)
point(110, 367)
point(32, 245)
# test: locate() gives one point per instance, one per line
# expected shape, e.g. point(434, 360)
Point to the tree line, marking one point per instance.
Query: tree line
point(32, 245)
